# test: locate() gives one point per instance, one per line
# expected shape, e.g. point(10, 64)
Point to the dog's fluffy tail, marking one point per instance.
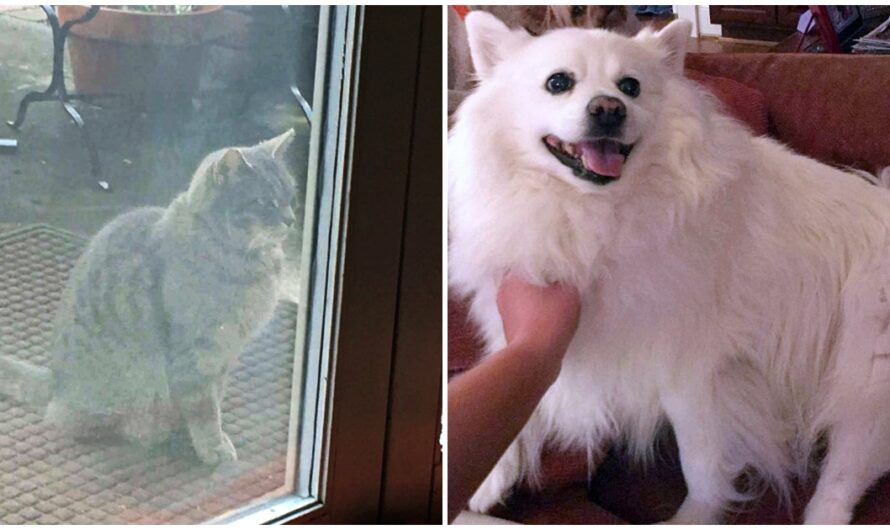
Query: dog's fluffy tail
point(26, 383)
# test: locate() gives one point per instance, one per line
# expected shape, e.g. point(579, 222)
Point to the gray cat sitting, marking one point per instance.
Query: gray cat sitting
point(162, 302)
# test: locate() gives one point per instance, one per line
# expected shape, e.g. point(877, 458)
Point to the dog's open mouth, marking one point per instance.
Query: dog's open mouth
point(598, 161)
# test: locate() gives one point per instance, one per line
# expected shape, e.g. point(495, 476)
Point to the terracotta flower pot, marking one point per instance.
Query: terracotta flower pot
point(135, 53)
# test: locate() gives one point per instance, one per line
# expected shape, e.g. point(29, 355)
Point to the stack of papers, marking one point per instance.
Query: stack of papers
point(877, 41)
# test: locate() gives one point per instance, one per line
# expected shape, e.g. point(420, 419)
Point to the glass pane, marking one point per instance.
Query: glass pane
point(160, 314)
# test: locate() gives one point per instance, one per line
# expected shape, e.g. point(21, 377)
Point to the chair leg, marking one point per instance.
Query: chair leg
point(31, 97)
point(57, 90)
point(87, 142)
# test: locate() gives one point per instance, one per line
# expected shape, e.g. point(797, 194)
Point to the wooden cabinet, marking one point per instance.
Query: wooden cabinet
point(787, 16)
point(742, 14)
point(757, 22)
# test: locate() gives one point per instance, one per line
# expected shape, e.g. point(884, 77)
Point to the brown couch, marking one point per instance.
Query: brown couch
point(833, 108)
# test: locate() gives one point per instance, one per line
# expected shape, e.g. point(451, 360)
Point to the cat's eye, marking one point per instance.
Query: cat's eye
point(559, 83)
point(629, 86)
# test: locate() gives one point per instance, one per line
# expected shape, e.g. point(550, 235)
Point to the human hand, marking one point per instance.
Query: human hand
point(543, 319)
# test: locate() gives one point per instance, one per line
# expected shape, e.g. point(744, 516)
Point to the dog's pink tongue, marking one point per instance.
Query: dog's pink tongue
point(602, 157)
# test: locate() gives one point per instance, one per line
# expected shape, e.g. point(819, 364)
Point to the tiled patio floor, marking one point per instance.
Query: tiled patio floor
point(47, 478)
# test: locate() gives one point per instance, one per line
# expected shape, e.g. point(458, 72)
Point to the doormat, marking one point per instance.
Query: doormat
point(47, 478)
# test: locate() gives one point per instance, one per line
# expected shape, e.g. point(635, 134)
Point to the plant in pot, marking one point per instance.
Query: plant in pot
point(151, 52)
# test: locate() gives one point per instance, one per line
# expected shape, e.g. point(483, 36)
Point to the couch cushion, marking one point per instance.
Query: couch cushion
point(746, 104)
point(834, 108)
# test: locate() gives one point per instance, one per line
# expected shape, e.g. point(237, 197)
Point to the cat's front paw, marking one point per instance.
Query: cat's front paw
point(217, 454)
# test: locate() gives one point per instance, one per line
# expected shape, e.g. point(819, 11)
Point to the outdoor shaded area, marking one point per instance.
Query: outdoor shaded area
point(51, 203)
point(148, 150)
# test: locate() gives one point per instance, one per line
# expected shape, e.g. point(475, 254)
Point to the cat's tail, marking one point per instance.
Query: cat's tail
point(26, 383)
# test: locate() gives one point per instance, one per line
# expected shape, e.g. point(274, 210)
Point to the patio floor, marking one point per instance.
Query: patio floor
point(48, 478)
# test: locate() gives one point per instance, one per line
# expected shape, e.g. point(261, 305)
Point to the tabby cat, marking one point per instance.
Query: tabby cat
point(162, 302)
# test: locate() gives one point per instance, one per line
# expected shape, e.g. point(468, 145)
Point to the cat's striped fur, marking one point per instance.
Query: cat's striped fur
point(161, 303)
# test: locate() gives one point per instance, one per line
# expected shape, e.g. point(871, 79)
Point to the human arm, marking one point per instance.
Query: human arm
point(489, 404)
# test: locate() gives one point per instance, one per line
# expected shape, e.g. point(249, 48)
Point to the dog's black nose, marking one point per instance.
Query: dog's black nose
point(607, 114)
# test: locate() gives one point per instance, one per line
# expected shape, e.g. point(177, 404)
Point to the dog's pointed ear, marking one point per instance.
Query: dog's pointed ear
point(674, 39)
point(490, 41)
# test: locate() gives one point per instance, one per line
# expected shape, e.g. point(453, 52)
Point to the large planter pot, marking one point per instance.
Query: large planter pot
point(133, 53)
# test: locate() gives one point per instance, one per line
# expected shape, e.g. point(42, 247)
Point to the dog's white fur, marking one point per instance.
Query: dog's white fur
point(730, 287)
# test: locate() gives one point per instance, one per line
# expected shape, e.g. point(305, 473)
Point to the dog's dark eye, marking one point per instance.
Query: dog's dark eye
point(577, 11)
point(559, 82)
point(629, 86)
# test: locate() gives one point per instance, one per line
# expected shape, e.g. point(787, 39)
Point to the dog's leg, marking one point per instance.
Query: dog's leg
point(859, 424)
point(497, 484)
point(701, 456)
point(857, 457)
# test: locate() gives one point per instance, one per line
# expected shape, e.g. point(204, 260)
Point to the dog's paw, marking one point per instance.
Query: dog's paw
point(492, 492)
point(498, 483)
point(483, 501)
point(829, 512)
point(213, 455)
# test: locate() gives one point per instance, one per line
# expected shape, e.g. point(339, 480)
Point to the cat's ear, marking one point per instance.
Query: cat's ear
point(281, 146)
point(491, 41)
point(230, 163)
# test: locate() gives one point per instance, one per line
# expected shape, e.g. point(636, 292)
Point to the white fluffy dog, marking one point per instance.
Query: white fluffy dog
point(730, 287)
